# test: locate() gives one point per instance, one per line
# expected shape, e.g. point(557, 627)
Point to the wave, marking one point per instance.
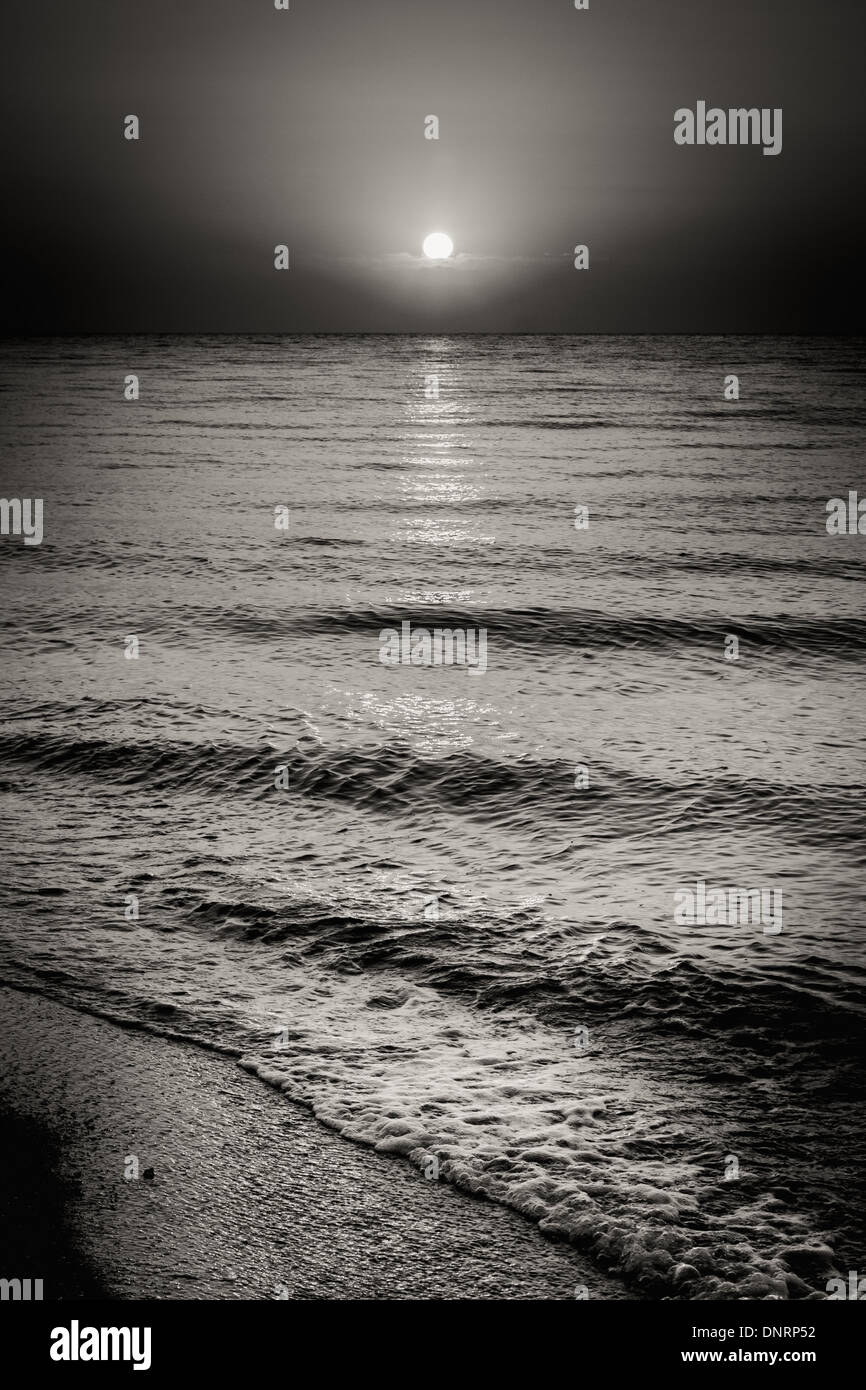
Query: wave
point(599, 1149)
point(561, 974)
point(836, 638)
point(393, 779)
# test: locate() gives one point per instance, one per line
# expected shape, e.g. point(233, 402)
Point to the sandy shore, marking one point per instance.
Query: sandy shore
point(251, 1198)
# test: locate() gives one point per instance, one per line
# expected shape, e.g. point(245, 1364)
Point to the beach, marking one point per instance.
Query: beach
point(251, 1197)
point(554, 906)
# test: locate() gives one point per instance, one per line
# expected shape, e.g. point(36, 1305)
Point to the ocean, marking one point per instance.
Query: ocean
point(438, 904)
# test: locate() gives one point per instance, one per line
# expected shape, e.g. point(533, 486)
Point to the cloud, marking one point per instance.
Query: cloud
point(419, 264)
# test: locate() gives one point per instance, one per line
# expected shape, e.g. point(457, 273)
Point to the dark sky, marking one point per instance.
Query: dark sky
point(307, 127)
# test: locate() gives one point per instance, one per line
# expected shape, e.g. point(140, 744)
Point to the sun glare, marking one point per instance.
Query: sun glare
point(438, 246)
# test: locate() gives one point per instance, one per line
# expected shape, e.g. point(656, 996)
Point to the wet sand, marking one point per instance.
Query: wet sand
point(250, 1198)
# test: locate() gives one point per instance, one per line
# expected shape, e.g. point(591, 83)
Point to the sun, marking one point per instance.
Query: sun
point(438, 246)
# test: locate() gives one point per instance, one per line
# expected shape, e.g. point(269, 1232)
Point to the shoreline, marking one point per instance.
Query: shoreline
point(251, 1196)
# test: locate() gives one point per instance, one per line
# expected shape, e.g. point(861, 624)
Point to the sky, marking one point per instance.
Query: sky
point(305, 127)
